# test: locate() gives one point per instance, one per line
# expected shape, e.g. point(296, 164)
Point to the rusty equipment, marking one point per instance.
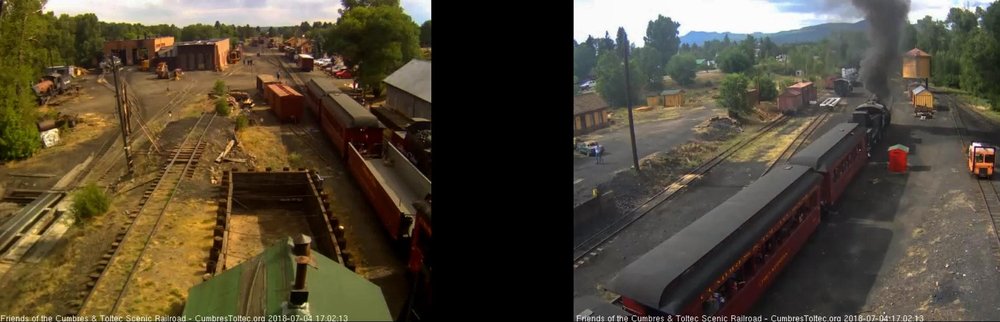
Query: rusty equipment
point(144, 66)
point(161, 71)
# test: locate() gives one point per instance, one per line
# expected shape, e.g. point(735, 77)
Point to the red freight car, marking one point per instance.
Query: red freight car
point(838, 155)
point(346, 121)
point(316, 90)
point(391, 184)
point(262, 81)
point(808, 90)
point(421, 263)
point(731, 254)
point(285, 102)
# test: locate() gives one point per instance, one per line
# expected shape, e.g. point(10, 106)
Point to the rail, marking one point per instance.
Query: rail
point(799, 141)
point(986, 188)
point(119, 244)
point(581, 250)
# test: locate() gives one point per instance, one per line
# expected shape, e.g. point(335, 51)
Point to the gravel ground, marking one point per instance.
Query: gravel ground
point(914, 243)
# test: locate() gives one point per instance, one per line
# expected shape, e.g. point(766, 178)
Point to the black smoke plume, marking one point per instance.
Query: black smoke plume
point(885, 24)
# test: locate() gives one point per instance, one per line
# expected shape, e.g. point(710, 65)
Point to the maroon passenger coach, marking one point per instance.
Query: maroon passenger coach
point(838, 155)
point(723, 262)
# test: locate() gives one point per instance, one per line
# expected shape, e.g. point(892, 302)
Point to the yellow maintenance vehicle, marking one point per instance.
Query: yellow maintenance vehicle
point(981, 159)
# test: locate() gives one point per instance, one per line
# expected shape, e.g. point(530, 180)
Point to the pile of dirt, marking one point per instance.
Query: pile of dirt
point(718, 128)
point(657, 171)
point(766, 111)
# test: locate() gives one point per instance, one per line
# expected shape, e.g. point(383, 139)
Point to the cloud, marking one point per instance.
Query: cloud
point(594, 17)
point(239, 12)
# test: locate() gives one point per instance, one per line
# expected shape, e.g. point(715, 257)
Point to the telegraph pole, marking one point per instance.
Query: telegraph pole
point(628, 98)
point(123, 112)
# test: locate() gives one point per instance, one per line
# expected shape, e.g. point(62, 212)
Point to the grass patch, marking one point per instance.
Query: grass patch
point(770, 145)
point(264, 144)
point(980, 106)
point(90, 201)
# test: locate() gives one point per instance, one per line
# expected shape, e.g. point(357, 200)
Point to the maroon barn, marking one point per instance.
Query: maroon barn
point(838, 155)
point(721, 263)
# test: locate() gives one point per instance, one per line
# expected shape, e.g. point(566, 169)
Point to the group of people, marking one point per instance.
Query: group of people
point(248, 62)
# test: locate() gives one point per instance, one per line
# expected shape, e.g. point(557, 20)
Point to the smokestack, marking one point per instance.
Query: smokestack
point(885, 24)
point(299, 295)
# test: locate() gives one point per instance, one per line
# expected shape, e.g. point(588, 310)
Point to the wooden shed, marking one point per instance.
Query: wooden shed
point(673, 97)
point(654, 100)
point(923, 99)
point(590, 113)
point(917, 64)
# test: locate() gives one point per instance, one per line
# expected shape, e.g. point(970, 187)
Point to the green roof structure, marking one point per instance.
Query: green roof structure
point(261, 285)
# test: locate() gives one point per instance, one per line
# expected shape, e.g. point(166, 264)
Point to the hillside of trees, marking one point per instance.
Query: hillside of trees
point(965, 49)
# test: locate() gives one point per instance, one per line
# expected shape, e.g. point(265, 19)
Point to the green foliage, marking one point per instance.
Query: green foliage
point(222, 106)
point(782, 85)
point(584, 59)
point(946, 69)
point(220, 88)
point(647, 59)
point(242, 122)
point(662, 35)
point(199, 31)
point(734, 60)
point(377, 39)
point(767, 89)
point(90, 201)
point(682, 69)
point(425, 34)
point(610, 72)
point(733, 95)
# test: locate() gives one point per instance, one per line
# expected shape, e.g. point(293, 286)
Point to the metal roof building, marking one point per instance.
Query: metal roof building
point(286, 279)
point(409, 89)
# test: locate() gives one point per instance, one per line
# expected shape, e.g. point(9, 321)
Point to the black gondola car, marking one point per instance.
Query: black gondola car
point(723, 262)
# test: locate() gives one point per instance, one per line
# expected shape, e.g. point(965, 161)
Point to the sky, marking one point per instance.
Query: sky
point(594, 17)
point(239, 12)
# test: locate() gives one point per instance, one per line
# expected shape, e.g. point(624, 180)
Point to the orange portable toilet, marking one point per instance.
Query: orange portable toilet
point(897, 158)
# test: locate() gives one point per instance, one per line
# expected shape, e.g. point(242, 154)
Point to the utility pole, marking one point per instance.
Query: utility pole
point(628, 99)
point(123, 111)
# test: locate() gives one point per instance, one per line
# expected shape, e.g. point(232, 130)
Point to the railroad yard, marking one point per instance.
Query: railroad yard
point(163, 230)
point(922, 242)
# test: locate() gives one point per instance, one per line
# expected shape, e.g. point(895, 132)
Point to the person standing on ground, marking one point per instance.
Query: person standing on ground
point(598, 151)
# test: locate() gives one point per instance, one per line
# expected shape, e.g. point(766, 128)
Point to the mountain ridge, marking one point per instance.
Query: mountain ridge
point(805, 34)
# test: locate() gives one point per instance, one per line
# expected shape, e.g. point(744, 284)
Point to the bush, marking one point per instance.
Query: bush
point(222, 106)
point(733, 95)
point(220, 88)
point(682, 68)
point(90, 201)
point(242, 122)
point(768, 90)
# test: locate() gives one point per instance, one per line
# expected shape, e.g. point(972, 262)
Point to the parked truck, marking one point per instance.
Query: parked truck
point(51, 85)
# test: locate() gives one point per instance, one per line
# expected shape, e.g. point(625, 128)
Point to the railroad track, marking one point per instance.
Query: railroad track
point(986, 188)
point(799, 140)
point(316, 144)
point(114, 273)
point(587, 246)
